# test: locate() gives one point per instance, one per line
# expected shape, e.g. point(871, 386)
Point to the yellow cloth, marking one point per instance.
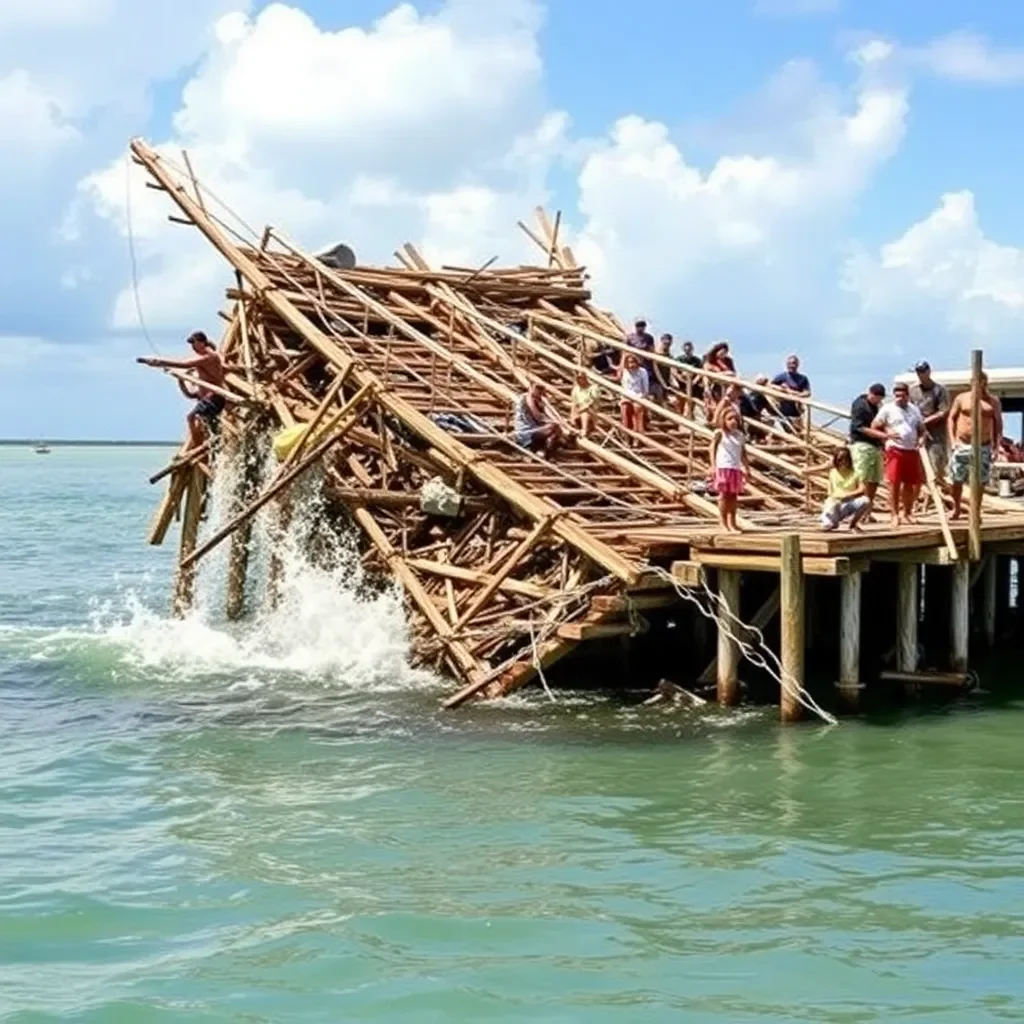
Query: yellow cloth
point(285, 440)
point(584, 396)
point(842, 485)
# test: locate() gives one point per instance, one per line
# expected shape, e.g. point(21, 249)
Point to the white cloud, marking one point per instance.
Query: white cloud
point(89, 55)
point(968, 57)
point(942, 283)
point(30, 123)
point(659, 231)
point(423, 127)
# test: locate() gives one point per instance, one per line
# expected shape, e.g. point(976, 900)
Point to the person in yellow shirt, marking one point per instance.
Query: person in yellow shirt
point(585, 395)
point(847, 496)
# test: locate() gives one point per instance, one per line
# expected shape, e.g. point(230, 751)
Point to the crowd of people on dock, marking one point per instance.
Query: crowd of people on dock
point(889, 437)
point(915, 434)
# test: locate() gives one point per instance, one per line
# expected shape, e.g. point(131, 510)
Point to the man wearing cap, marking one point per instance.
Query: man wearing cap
point(865, 440)
point(932, 401)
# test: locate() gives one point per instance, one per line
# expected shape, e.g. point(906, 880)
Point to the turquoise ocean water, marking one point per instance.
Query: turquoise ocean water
point(277, 824)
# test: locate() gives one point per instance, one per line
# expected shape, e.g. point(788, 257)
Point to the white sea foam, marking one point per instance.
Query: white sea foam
point(327, 625)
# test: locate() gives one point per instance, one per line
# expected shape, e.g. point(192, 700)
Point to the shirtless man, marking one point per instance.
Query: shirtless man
point(208, 367)
point(960, 439)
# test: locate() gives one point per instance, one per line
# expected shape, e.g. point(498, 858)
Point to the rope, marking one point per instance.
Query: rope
point(761, 655)
point(131, 253)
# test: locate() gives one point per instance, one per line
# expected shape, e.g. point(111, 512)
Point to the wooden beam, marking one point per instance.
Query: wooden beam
point(728, 688)
point(850, 683)
point(184, 585)
point(960, 626)
point(974, 520)
point(791, 588)
point(908, 575)
point(762, 617)
point(813, 565)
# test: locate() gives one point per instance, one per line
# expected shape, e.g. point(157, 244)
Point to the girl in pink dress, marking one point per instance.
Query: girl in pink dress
point(729, 457)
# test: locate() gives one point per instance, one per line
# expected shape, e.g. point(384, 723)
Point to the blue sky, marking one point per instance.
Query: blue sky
point(839, 177)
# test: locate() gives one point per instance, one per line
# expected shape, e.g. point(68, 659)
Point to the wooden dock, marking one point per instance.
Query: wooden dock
point(404, 379)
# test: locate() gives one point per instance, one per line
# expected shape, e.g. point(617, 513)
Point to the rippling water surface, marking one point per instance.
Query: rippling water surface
point(277, 824)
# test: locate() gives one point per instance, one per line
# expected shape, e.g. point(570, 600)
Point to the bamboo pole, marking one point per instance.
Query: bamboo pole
point(974, 523)
point(168, 509)
point(792, 611)
point(184, 585)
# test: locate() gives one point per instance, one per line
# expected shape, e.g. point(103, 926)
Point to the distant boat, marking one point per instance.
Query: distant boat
point(42, 448)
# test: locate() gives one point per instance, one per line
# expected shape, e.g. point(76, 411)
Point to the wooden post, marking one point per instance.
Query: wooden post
point(849, 639)
point(728, 648)
point(282, 511)
point(184, 584)
point(974, 524)
point(908, 574)
point(989, 582)
point(791, 587)
point(959, 624)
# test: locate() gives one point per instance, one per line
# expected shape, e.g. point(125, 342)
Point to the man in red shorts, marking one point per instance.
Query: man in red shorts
point(904, 428)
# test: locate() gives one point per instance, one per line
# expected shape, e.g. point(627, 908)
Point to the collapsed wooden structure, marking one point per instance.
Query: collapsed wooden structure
point(405, 379)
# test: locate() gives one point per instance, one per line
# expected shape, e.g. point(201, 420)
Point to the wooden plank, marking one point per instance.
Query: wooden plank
point(580, 631)
point(813, 565)
point(455, 572)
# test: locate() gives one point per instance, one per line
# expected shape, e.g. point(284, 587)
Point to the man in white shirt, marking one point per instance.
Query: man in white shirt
point(904, 428)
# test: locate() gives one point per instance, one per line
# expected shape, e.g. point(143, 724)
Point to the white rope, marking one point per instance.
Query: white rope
point(538, 666)
point(131, 252)
point(761, 655)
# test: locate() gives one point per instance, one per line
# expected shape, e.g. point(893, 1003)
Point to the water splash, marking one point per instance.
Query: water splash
point(330, 624)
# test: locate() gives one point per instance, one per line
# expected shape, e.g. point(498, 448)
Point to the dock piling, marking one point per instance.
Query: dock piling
point(908, 574)
point(728, 648)
point(959, 619)
point(791, 587)
point(849, 639)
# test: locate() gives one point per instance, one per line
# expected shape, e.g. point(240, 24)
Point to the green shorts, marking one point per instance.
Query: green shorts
point(867, 461)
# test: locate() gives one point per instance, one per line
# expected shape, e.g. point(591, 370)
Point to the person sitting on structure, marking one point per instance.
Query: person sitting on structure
point(585, 397)
point(793, 381)
point(536, 426)
point(961, 440)
point(634, 381)
point(209, 367)
point(847, 498)
point(904, 429)
point(729, 458)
